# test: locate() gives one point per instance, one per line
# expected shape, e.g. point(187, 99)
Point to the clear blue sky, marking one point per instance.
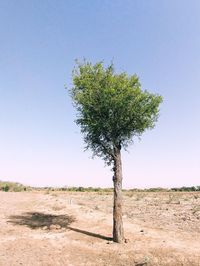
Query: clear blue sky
point(39, 41)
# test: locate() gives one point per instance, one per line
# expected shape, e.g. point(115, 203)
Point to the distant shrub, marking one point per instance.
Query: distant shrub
point(12, 186)
point(6, 188)
point(18, 189)
point(157, 189)
point(187, 189)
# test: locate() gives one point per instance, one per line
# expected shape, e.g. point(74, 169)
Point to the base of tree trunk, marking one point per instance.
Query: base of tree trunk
point(118, 231)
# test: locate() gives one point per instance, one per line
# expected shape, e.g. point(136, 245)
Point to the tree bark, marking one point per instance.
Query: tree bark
point(118, 231)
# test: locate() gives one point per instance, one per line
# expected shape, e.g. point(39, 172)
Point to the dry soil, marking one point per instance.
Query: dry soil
point(75, 228)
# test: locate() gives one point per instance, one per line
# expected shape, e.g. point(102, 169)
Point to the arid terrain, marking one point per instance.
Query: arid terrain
point(75, 228)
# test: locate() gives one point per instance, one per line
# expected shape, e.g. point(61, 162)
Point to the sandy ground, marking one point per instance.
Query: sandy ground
point(40, 228)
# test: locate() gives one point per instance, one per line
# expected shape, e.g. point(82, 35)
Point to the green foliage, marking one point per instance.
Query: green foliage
point(5, 188)
point(189, 189)
point(17, 187)
point(89, 189)
point(112, 108)
point(12, 186)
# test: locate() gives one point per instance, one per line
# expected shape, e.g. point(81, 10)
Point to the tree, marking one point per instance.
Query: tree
point(112, 109)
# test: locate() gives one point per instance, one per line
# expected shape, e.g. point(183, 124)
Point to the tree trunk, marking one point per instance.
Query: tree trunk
point(118, 231)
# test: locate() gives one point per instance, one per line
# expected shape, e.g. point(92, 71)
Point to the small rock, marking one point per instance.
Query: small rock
point(44, 227)
point(142, 231)
point(55, 227)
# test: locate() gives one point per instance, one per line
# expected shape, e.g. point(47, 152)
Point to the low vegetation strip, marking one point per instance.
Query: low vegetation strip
point(18, 187)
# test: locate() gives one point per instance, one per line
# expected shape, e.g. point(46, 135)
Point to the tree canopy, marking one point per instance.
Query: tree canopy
point(112, 107)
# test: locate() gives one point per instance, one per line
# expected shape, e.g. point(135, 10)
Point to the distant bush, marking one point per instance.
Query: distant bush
point(12, 186)
point(157, 189)
point(187, 189)
point(5, 188)
point(88, 189)
point(17, 187)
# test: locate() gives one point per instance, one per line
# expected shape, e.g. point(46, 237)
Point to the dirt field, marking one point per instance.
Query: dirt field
point(40, 228)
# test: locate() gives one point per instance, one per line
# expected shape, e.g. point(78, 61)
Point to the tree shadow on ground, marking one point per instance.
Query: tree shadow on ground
point(38, 220)
point(89, 233)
